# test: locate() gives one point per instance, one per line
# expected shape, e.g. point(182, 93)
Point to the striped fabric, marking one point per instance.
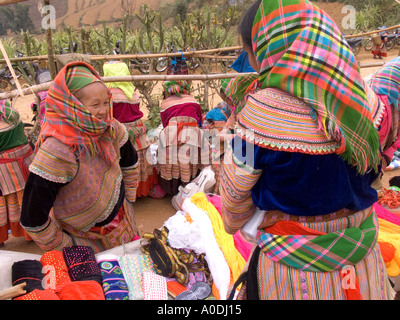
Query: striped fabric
point(386, 81)
point(280, 121)
point(301, 51)
point(277, 281)
point(175, 88)
point(14, 166)
point(323, 253)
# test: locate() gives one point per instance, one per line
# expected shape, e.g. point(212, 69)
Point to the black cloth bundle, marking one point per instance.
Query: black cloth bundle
point(81, 263)
point(28, 271)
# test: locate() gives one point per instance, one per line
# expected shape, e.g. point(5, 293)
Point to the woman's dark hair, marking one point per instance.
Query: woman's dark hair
point(246, 25)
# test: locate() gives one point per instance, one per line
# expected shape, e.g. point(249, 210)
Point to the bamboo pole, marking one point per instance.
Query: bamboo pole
point(372, 32)
point(50, 51)
point(10, 67)
point(133, 56)
point(200, 77)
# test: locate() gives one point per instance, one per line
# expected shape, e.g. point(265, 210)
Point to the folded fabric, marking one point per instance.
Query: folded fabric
point(82, 290)
point(82, 264)
point(154, 286)
point(114, 284)
point(133, 266)
point(28, 271)
point(55, 270)
point(389, 234)
point(39, 295)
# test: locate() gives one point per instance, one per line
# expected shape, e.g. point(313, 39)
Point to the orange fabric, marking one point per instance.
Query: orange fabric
point(282, 228)
point(82, 290)
point(55, 270)
point(39, 295)
point(351, 293)
point(388, 250)
point(175, 288)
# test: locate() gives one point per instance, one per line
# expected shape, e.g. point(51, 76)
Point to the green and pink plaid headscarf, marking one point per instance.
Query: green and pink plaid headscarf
point(301, 51)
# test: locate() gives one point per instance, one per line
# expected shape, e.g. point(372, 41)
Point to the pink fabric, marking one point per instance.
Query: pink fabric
point(384, 214)
point(241, 245)
point(385, 126)
point(126, 112)
point(154, 286)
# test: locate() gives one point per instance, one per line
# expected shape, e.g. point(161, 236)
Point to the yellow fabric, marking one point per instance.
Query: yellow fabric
point(115, 69)
point(390, 232)
point(232, 256)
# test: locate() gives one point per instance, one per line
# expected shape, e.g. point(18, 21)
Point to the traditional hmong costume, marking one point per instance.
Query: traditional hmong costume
point(15, 157)
point(183, 148)
point(83, 174)
point(126, 109)
point(306, 152)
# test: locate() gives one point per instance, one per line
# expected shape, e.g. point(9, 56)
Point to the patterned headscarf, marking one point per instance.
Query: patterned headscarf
point(8, 114)
point(238, 88)
point(300, 50)
point(176, 88)
point(386, 81)
point(119, 68)
point(67, 119)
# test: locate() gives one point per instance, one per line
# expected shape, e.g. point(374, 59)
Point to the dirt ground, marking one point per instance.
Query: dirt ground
point(151, 213)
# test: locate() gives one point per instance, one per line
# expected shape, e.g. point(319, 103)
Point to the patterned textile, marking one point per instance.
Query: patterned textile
point(277, 281)
point(78, 77)
point(133, 267)
point(81, 263)
point(175, 88)
point(147, 173)
point(182, 152)
point(280, 121)
point(70, 122)
point(12, 132)
point(14, 164)
point(39, 295)
point(55, 270)
point(301, 51)
point(125, 110)
point(325, 252)
point(175, 106)
point(154, 286)
point(97, 182)
point(114, 284)
point(238, 88)
point(119, 68)
point(386, 81)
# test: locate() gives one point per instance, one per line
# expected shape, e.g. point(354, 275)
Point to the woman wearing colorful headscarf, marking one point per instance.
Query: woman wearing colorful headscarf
point(126, 109)
point(385, 83)
point(183, 149)
point(84, 174)
point(15, 157)
point(306, 152)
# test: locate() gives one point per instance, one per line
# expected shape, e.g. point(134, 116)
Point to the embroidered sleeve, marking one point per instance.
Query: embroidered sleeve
point(55, 162)
point(238, 177)
point(130, 170)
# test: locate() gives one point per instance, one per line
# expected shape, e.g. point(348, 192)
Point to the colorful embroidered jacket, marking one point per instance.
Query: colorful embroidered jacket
point(87, 192)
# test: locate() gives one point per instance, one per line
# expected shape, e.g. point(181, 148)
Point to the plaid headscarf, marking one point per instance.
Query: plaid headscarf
point(67, 119)
point(8, 114)
point(238, 88)
point(386, 81)
point(176, 88)
point(301, 51)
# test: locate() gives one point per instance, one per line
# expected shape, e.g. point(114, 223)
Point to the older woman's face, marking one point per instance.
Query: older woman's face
point(252, 57)
point(96, 100)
